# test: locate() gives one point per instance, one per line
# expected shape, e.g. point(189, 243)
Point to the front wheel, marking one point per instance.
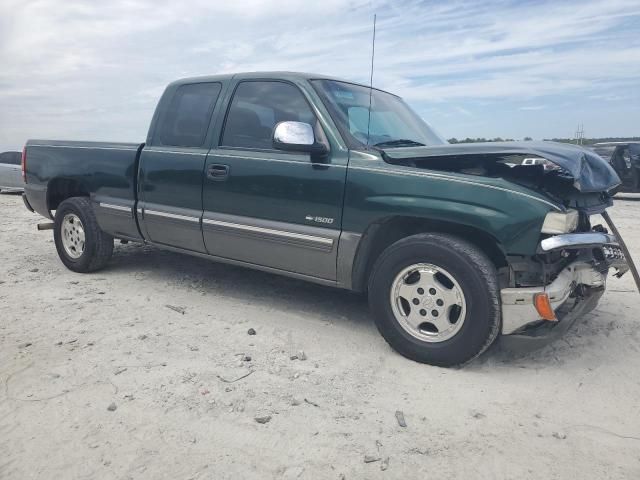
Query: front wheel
point(435, 299)
point(82, 246)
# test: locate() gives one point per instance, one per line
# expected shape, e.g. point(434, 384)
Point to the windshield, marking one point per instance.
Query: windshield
point(393, 123)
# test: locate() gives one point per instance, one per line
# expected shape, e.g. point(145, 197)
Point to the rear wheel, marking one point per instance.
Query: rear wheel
point(80, 243)
point(435, 299)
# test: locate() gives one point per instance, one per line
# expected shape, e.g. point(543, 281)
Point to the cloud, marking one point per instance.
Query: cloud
point(533, 107)
point(463, 111)
point(84, 69)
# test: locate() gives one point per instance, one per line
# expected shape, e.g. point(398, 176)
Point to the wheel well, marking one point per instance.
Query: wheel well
point(59, 189)
point(380, 235)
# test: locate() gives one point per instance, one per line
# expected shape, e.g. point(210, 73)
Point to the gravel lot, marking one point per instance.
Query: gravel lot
point(146, 370)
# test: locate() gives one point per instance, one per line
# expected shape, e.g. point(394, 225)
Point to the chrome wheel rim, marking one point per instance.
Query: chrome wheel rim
point(428, 302)
point(72, 235)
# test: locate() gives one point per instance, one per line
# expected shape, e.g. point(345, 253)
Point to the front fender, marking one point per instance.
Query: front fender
point(507, 212)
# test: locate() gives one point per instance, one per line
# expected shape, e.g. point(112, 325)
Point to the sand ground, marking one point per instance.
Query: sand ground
point(140, 371)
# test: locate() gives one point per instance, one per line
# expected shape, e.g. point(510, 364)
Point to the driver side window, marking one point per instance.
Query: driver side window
point(256, 108)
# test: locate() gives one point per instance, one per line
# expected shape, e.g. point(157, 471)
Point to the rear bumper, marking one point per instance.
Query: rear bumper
point(26, 203)
point(35, 198)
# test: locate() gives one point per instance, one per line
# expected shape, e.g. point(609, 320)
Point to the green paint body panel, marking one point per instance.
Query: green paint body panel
point(352, 188)
point(510, 214)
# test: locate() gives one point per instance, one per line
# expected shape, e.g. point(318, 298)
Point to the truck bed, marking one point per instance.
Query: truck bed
point(106, 171)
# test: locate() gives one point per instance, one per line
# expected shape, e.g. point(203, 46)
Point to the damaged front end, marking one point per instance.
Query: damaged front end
point(561, 283)
point(545, 292)
point(560, 164)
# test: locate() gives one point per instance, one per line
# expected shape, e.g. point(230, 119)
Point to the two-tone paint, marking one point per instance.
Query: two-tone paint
point(274, 210)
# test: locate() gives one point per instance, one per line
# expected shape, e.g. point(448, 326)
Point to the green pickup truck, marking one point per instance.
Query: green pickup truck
point(336, 183)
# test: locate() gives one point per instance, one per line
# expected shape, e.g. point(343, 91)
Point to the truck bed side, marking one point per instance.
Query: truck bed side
point(105, 172)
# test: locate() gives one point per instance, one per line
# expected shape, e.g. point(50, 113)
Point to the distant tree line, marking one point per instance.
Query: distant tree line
point(591, 141)
point(482, 140)
point(585, 141)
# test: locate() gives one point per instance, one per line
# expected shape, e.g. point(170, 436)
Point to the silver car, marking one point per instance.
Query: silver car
point(10, 172)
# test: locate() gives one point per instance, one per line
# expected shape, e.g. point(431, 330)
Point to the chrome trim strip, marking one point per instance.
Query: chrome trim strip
point(277, 160)
point(77, 146)
point(453, 179)
point(110, 206)
point(173, 151)
point(577, 240)
point(173, 216)
point(269, 231)
point(11, 166)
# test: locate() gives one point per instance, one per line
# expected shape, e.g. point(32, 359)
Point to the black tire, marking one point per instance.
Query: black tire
point(477, 278)
point(98, 245)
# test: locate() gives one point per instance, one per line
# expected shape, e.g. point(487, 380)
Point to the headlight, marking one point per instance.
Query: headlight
point(557, 222)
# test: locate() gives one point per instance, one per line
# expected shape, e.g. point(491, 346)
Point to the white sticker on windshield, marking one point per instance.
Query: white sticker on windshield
point(343, 94)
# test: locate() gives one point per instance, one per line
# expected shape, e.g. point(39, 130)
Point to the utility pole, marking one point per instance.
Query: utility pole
point(579, 136)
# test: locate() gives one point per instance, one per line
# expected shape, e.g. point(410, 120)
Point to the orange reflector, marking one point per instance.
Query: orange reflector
point(543, 306)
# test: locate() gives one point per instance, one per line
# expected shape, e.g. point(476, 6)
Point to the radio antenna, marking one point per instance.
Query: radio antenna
point(373, 52)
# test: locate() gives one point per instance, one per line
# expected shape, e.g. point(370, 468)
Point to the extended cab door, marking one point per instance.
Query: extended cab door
point(172, 164)
point(269, 207)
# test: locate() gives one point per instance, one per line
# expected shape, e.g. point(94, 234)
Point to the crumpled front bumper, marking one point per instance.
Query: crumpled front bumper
point(574, 292)
point(542, 332)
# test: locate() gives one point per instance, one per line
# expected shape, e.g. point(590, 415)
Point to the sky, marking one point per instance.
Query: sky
point(93, 70)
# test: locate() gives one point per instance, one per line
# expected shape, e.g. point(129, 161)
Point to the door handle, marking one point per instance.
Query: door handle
point(218, 172)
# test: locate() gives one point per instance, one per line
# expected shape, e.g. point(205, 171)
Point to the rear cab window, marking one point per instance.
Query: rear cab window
point(186, 121)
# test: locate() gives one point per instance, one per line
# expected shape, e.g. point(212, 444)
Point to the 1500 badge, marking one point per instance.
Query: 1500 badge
point(311, 218)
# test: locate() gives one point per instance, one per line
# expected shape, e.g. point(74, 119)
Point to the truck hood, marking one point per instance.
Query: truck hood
point(589, 171)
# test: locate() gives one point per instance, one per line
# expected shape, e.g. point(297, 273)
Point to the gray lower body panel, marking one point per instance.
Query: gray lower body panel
point(116, 217)
point(315, 254)
point(172, 226)
point(239, 263)
point(301, 249)
point(347, 249)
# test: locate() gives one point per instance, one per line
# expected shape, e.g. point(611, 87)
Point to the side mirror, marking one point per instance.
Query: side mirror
point(297, 137)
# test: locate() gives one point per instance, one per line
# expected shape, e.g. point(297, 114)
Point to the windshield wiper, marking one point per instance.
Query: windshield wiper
point(401, 142)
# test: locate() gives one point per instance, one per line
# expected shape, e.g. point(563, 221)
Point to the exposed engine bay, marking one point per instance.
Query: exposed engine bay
point(536, 173)
point(552, 165)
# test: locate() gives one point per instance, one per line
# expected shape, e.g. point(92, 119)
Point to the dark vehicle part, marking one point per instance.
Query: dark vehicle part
point(625, 160)
point(27, 205)
point(427, 285)
point(625, 250)
point(81, 245)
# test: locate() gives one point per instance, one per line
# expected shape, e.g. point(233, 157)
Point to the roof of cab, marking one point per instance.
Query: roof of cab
point(291, 76)
point(261, 75)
